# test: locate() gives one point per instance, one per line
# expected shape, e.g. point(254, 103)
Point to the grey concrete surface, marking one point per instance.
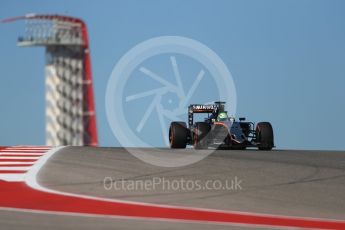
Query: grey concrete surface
point(13, 220)
point(297, 183)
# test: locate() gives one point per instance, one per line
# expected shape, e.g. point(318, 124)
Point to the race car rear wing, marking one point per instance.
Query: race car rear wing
point(198, 108)
point(215, 108)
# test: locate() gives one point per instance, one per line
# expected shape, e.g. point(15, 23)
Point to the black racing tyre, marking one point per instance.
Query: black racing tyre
point(178, 134)
point(199, 137)
point(264, 136)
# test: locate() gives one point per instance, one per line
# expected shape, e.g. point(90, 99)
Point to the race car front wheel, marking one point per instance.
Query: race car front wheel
point(178, 134)
point(264, 136)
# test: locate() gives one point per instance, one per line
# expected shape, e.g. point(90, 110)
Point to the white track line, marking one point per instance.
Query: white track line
point(18, 154)
point(16, 168)
point(31, 147)
point(23, 150)
point(26, 147)
point(18, 158)
point(16, 163)
point(12, 176)
point(21, 153)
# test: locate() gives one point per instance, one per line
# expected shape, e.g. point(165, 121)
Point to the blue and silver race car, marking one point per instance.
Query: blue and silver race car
point(218, 130)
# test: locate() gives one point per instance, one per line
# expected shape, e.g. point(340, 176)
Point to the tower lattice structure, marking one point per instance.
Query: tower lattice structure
point(70, 109)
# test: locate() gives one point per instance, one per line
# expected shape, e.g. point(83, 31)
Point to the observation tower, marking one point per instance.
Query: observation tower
point(70, 108)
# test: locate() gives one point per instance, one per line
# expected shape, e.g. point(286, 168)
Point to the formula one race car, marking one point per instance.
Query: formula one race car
point(218, 130)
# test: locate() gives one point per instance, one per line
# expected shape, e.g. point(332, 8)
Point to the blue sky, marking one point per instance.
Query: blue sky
point(287, 59)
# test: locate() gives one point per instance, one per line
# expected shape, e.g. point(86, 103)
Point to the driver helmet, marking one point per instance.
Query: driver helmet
point(222, 116)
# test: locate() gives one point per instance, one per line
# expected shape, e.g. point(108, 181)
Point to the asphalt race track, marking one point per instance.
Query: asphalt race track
point(280, 182)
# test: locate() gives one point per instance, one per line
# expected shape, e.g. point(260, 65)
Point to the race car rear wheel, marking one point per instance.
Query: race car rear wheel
point(178, 134)
point(264, 136)
point(200, 135)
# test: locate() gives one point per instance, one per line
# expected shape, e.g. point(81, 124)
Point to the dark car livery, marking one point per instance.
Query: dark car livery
point(218, 130)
